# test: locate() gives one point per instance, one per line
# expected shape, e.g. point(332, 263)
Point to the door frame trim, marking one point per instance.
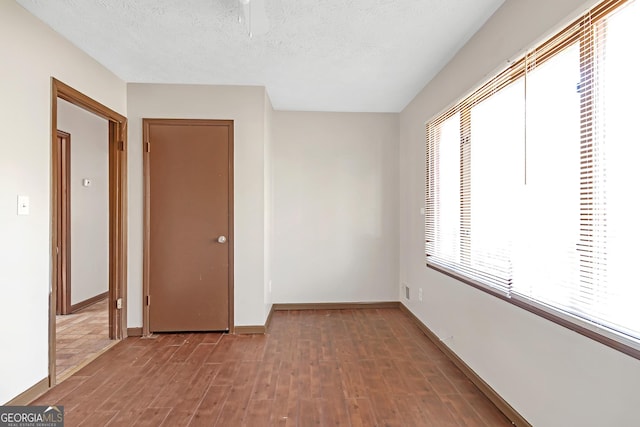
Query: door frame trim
point(63, 161)
point(117, 212)
point(146, 216)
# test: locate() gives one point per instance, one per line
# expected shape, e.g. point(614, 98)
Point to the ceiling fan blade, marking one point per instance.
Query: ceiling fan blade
point(258, 21)
point(245, 14)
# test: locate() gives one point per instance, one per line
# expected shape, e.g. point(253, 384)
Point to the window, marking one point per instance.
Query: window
point(531, 191)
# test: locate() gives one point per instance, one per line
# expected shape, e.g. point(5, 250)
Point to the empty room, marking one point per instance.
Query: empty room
point(355, 213)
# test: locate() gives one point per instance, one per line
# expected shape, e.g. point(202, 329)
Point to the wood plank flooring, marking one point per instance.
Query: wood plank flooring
point(80, 337)
point(357, 368)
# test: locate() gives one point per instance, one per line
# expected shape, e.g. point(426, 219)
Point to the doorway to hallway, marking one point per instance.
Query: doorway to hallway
point(112, 285)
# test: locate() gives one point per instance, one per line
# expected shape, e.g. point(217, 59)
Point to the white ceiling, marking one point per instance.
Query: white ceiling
point(318, 55)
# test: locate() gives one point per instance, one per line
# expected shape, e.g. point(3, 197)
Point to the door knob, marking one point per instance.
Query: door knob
point(222, 239)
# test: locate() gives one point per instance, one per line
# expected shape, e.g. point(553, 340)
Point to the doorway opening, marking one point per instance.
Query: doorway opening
point(102, 301)
point(82, 318)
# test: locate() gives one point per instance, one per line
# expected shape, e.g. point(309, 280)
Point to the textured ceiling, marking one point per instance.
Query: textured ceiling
point(318, 55)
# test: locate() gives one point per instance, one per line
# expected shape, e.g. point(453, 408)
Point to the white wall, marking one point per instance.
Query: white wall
point(32, 53)
point(89, 205)
point(552, 376)
point(335, 214)
point(246, 106)
point(268, 201)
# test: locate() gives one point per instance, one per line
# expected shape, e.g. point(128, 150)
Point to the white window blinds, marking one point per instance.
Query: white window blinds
point(530, 179)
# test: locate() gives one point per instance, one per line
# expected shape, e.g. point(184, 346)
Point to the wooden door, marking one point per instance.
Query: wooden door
point(189, 223)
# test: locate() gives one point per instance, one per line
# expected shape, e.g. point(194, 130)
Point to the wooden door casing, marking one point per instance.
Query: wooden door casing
point(63, 282)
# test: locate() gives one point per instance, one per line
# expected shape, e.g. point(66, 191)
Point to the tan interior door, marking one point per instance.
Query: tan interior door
point(189, 219)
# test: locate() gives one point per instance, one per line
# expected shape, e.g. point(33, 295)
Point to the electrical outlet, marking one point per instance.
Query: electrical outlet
point(23, 205)
point(406, 292)
point(447, 339)
point(419, 294)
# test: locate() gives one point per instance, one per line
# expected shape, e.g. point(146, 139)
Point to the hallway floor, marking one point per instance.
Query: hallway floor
point(80, 337)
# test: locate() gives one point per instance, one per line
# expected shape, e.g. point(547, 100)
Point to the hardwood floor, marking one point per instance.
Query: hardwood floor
point(80, 337)
point(366, 367)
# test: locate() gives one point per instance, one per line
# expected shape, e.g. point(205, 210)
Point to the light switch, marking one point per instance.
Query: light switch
point(23, 205)
point(421, 211)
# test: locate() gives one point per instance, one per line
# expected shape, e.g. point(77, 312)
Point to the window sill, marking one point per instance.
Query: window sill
point(577, 325)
